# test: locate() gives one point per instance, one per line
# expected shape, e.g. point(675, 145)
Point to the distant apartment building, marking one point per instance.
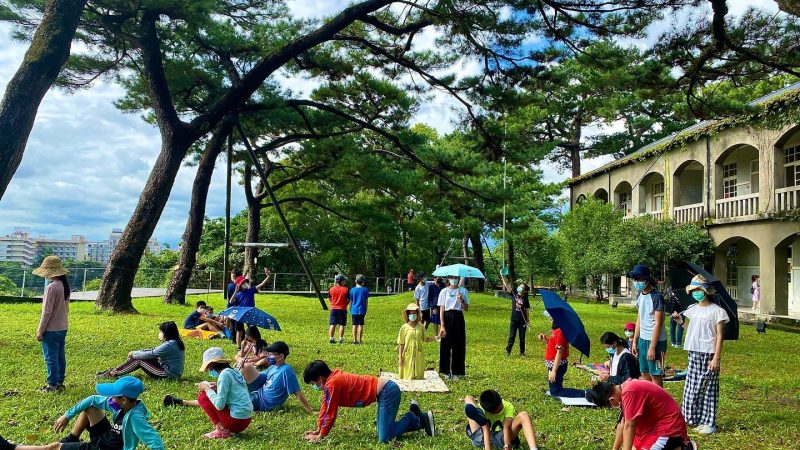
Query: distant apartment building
point(98, 251)
point(18, 247)
point(74, 248)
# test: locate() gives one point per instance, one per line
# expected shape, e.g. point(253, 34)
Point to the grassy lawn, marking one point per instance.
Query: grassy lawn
point(759, 396)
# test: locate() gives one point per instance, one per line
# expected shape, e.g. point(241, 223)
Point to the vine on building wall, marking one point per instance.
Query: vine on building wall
point(765, 139)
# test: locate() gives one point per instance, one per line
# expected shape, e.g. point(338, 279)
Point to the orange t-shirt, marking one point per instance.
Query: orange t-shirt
point(339, 297)
point(345, 389)
point(555, 341)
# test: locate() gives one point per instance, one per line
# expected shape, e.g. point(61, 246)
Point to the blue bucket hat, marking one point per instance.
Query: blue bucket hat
point(339, 278)
point(640, 271)
point(130, 387)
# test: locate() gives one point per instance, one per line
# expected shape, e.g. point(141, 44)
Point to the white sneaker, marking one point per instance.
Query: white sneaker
point(455, 377)
point(706, 429)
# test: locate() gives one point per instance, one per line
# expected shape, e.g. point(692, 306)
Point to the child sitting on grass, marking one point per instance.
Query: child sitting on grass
point(497, 425)
point(411, 358)
point(254, 349)
point(193, 319)
point(164, 361)
point(128, 425)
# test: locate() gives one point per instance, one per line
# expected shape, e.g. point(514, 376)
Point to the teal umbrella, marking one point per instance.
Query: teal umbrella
point(458, 270)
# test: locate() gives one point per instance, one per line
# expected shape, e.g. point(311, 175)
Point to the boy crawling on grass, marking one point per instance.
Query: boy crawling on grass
point(497, 425)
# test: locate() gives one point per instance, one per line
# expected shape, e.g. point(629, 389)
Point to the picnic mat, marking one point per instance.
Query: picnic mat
point(198, 334)
point(670, 373)
point(431, 383)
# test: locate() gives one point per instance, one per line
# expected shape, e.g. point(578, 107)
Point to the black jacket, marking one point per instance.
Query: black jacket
point(628, 367)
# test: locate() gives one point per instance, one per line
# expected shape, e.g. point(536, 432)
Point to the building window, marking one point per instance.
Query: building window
point(658, 197)
point(791, 164)
point(729, 180)
point(624, 202)
point(732, 274)
point(754, 176)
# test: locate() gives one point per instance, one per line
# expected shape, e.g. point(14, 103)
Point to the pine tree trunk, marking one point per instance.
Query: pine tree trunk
point(46, 55)
point(477, 249)
point(253, 230)
point(176, 290)
point(115, 289)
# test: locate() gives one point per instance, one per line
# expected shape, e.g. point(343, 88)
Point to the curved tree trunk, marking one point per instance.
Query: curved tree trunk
point(176, 290)
point(46, 55)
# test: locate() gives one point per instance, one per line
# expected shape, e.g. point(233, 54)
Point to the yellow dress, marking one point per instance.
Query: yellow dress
point(412, 339)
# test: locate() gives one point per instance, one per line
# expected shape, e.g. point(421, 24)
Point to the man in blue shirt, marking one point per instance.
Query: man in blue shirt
point(270, 389)
point(359, 295)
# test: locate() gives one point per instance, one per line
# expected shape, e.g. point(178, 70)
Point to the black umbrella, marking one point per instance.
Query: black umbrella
point(681, 275)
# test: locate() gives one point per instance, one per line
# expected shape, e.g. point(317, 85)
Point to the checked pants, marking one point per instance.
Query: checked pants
point(701, 391)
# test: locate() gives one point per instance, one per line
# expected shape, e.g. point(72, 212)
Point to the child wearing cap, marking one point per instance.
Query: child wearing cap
point(498, 424)
point(339, 296)
point(704, 343)
point(411, 358)
point(227, 402)
point(359, 296)
point(629, 330)
point(357, 391)
point(128, 425)
point(270, 389)
point(650, 335)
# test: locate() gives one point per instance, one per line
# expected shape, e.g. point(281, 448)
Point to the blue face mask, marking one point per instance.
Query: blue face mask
point(213, 373)
point(412, 317)
point(699, 295)
point(315, 387)
point(611, 350)
point(640, 285)
point(271, 360)
point(453, 281)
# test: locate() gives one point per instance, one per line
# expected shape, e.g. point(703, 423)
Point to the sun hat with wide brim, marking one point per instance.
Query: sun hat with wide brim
point(51, 267)
point(699, 282)
point(213, 355)
point(410, 307)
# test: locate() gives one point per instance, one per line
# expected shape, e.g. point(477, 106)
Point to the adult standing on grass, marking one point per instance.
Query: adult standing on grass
point(704, 344)
point(339, 296)
point(453, 301)
point(650, 335)
point(359, 297)
point(52, 330)
point(520, 304)
point(410, 279)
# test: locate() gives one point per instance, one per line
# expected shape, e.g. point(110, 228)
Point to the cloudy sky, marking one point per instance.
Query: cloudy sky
point(86, 162)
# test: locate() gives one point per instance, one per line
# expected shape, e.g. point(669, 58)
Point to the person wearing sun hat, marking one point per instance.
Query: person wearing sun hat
point(52, 329)
point(704, 344)
point(128, 425)
point(227, 402)
point(411, 359)
point(650, 336)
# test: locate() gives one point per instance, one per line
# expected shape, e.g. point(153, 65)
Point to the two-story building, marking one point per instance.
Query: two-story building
point(739, 178)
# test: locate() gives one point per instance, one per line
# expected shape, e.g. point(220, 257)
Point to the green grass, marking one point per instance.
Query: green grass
point(759, 398)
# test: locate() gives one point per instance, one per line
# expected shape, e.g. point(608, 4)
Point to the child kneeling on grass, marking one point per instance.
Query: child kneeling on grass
point(497, 424)
point(227, 402)
point(357, 391)
point(127, 427)
point(411, 358)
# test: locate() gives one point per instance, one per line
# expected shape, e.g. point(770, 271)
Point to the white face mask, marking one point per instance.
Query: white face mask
point(629, 333)
point(412, 317)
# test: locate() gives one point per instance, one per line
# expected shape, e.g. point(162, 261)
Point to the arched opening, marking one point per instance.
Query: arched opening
point(651, 195)
point(687, 192)
point(787, 171)
point(601, 194)
point(787, 275)
point(623, 198)
point(736, 260)
point(581, 198)
point(737, 182)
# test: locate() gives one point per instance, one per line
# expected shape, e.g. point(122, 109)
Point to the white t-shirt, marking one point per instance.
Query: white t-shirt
point(449, 298)
point(702, 333)
point(615, 362)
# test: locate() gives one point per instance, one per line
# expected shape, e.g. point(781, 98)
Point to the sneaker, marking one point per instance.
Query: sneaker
point(706, 429)
point(429, 424)
point(455, 377)
point(170, 400)
point(48, 388)
point(341, 341)
point(103, 374)
point(332, 341)
point(60, 387)
point(679, 346)
point(218, 434)
point(447, 377)
point(415, 409)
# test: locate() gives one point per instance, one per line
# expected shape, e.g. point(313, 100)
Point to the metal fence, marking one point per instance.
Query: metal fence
point(22, 282)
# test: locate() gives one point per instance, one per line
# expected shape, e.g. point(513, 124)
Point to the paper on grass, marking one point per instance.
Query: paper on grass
point(431, 383)
point(573, 401)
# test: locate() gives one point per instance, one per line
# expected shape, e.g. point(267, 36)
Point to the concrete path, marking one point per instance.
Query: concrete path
point(136, 293)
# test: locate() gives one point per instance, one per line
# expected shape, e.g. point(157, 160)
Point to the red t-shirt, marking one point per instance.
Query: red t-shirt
point(344, 389)
point(555, 341)
point(655, 411)
point(339, 298)
point(410, 277)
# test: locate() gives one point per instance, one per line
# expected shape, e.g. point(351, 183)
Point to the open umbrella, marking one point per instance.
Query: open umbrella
point(251, 316)
point(567, 319)
point(458, 270)
point(681, 275)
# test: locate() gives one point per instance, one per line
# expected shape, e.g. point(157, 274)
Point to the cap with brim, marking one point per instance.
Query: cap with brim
point(51, 267)
point(278, 347)
point(130, 387)
point(339, 278)
point(700, 283)
point(630, 326)
point(213, 355)
point(640, 271)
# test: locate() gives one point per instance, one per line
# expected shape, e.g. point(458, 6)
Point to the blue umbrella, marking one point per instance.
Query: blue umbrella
point(567, 319)
point(458, 270)
point(251, 316)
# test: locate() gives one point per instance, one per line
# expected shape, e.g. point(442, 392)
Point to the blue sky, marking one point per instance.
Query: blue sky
point(86, 162)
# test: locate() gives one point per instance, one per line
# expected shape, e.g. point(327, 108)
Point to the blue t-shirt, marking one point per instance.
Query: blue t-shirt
point(358, 300)
point(192, 321)
point(246, 297)
point(433, 293)
point(228, 297)
point(281, 382)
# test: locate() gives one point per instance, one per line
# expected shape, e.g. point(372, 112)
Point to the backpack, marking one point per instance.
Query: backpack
point(752, 290)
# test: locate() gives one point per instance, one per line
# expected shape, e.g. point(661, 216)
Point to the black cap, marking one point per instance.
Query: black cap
point(279, 347)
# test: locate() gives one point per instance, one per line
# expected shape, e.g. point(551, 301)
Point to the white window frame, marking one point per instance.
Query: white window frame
point(625, 205)
point(791, 160)
point(658, 197)
point(755, 179)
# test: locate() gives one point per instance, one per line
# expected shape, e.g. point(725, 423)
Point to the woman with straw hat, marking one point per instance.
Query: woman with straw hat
point(704, 344)
point(52, 330)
